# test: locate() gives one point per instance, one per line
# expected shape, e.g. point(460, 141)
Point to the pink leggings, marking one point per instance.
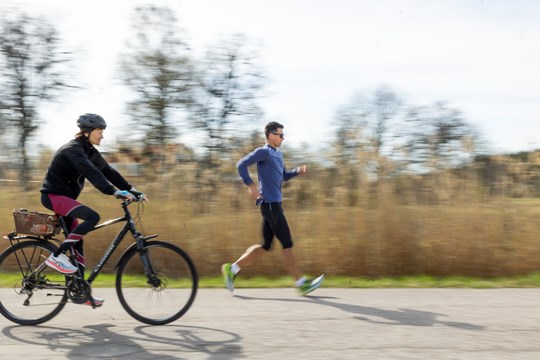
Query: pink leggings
point(72, 210)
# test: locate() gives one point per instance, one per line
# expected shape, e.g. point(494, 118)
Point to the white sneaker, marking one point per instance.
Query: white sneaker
point(97, 302)
point(61, 263)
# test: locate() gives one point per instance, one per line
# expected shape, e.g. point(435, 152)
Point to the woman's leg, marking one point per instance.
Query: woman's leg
point(72, 209)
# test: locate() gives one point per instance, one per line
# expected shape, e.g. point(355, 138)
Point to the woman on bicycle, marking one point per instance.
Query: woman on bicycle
point(72, 164)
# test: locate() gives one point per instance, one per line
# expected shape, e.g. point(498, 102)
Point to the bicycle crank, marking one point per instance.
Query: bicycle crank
point(79, 290)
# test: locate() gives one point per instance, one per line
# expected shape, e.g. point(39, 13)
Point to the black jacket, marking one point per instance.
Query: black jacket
point(76, 161)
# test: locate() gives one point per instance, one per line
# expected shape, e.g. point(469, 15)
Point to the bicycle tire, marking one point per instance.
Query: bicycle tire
point(29, 300)
point(162, 302)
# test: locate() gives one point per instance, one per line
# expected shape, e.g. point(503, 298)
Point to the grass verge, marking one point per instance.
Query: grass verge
point(524, 281)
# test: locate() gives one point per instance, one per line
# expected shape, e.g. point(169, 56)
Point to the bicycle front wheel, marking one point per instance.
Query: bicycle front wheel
point(165, 293)
point(28, 296)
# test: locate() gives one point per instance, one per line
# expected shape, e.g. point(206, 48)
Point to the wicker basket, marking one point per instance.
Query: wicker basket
point(35, 223)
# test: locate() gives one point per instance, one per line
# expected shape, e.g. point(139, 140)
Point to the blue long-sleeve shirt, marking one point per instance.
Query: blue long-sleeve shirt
point(271, 170)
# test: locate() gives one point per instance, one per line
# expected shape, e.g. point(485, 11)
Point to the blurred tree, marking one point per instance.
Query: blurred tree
point(3, 145)
point(229, 83)
point(438, 137)
point(365, 128)
point(350, 122)
point(383, 117)
point(29, 75)
point(158, 70)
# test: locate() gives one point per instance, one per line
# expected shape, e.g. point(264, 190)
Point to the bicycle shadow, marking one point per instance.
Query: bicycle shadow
point(102, 341)
point(408, 317)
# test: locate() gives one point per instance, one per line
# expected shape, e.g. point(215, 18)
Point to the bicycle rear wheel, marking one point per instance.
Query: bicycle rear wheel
point(163, 296)
point(29, 298)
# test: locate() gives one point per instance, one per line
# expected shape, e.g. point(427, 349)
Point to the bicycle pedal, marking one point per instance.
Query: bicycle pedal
point(92, 304)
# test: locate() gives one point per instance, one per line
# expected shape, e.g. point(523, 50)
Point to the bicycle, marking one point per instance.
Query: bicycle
point(156, 281)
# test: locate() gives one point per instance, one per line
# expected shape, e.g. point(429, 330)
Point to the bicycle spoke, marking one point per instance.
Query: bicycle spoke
point(27, 297)
point(163, 296)
point(155, 287)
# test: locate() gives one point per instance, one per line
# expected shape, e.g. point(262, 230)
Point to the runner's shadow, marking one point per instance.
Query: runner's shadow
point(408, 317)
point(100, 341)
point(243, 297)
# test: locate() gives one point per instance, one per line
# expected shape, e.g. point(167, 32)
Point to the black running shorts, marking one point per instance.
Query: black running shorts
point(275, 224)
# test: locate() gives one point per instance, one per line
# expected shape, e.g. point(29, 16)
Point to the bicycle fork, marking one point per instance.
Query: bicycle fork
point(151, 277)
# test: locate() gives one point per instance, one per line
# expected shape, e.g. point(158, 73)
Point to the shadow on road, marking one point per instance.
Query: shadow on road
point(149, 342)
point(408, 317)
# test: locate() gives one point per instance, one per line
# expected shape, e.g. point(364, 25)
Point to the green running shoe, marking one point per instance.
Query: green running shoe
point(311, 285)
point(228, 276)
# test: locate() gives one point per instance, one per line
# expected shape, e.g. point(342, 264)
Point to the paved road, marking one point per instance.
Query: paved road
point(278, 324)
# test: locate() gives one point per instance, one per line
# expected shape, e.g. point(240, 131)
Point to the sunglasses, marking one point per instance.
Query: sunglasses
point(280, 135)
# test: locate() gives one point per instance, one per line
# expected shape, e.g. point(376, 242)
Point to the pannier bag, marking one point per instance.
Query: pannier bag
point(35, 223)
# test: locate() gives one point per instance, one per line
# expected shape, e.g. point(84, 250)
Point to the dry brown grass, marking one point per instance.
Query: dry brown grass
point(498, 238)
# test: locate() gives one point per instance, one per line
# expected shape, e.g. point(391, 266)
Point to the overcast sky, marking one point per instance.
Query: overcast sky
point(483, 57)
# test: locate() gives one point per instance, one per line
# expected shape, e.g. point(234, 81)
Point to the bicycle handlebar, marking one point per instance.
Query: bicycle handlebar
point(127, 196)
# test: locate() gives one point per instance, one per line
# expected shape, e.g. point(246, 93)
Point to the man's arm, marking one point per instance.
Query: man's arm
point(287, 175)
point(254, 157)
point(242, 165)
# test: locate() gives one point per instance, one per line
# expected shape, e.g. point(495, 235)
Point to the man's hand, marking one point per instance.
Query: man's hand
point(253, 190)
point(302, 170)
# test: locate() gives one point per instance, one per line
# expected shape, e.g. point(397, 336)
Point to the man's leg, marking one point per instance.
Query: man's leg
point(256, 251)
point(290, 264)
point(279, 226)
point(252, 253)
point(229, 270)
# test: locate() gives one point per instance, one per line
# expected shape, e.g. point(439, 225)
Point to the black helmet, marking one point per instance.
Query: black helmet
point(89, 122)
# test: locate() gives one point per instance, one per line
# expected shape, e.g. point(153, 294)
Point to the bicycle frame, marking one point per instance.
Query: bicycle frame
point(162, 270)
point(129, 226)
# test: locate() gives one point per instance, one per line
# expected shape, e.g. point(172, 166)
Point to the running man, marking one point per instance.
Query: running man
point(272, 172)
